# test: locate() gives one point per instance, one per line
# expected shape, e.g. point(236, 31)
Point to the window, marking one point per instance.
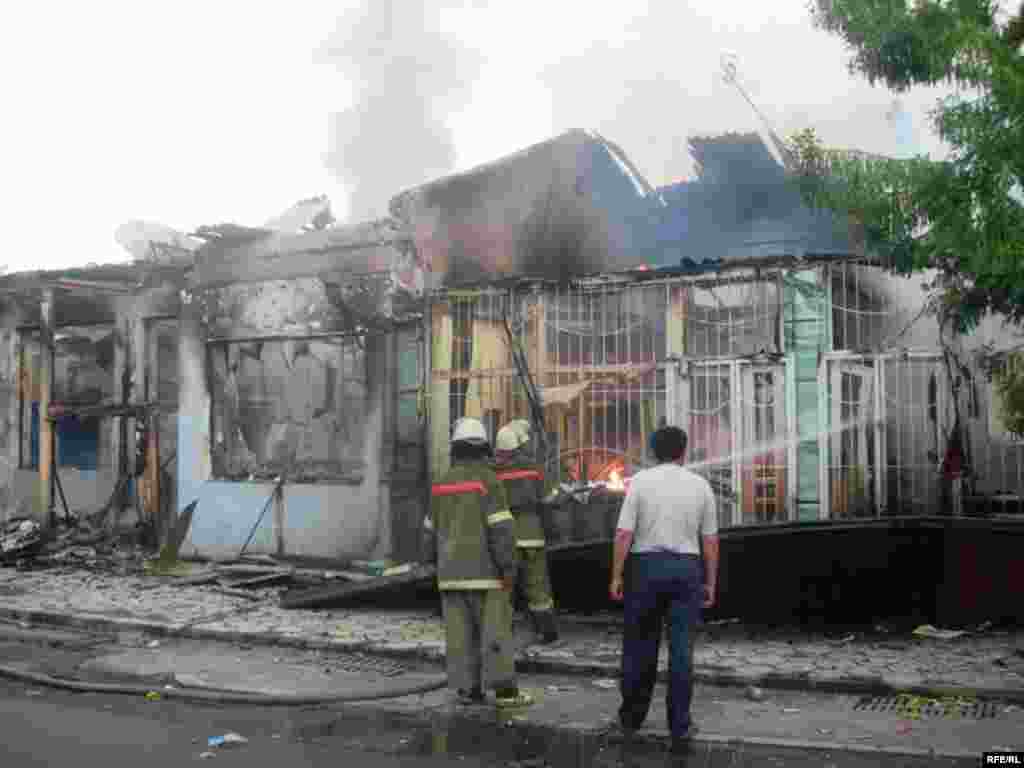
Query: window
point(732, 319)
point(83, 375)
point(289, 407)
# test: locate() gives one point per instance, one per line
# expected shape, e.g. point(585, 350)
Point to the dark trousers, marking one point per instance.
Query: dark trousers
point(659, 587)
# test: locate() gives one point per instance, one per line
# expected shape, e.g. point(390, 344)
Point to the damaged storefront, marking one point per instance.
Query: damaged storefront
point(271, 377)
point(301, 369)
point(798, 404)
point(89, 371)
point(812, 383)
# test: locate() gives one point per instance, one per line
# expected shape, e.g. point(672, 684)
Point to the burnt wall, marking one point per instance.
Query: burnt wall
point(298, 381)
point(99, 358)
point(8, 417)
point(563, 208)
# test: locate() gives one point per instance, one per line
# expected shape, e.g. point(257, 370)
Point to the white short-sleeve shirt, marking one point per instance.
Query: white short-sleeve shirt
point(668, 508)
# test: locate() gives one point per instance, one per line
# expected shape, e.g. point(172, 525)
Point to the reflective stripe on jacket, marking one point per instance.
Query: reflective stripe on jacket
point(470, 530)
point(524, 484)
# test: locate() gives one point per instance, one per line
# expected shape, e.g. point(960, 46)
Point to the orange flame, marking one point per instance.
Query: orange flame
point(615, 481)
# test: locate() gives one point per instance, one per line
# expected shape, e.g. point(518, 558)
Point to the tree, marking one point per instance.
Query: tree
point(962, 217)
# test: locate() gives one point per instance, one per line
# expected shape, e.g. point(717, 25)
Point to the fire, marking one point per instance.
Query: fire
point(615, 481)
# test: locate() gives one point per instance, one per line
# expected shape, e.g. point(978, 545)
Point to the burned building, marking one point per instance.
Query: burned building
point(280, 370)
point(810, 381)
point(299, 381)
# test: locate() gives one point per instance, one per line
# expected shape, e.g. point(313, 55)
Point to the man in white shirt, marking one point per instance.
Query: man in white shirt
point(666, 524)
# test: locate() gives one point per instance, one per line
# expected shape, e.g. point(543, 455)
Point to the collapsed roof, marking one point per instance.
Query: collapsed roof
point(576, 205)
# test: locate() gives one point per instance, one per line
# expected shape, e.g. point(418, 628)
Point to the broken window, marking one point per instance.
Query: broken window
point(874, 311)
point(733, 319)
point(295, 408)
point(83, 375)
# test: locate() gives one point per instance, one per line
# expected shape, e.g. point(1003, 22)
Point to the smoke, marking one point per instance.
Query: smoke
point(408, 76)
point(645, 75)
point(659, 82)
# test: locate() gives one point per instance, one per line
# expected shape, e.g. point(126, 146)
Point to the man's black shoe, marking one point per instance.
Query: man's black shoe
point(683, 744)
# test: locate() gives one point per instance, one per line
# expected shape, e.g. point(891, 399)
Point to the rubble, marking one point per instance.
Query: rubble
point(21, 538)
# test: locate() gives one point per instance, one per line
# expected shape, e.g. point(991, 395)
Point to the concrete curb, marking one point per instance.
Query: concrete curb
point(864, 685)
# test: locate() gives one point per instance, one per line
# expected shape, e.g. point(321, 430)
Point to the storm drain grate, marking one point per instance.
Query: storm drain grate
point(361, 663)
point(921, 706)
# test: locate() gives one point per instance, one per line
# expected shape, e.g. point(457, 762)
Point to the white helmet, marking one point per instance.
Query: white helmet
point(522, 426)
point(508, 439)
point(513, 435)
point(468, 430)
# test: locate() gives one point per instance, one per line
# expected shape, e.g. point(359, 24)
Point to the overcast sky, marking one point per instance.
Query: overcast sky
point(191, 113)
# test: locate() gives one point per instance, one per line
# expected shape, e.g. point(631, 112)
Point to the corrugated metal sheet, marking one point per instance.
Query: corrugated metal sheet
point(741, 207)
point(576, 205)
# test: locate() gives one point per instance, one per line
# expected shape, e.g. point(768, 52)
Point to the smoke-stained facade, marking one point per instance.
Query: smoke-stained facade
point(271, 358)
point(332, 362)
point(564, 208)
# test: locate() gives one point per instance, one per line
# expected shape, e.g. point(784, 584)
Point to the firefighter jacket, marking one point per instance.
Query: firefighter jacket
point(524, 484)
point(469, 532)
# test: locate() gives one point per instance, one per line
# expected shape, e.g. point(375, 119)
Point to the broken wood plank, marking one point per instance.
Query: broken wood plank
point(252, 571)
point(268, 580)
point(421, 577)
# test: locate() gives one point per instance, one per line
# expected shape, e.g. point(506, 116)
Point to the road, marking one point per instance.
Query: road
point(43, 727)
point(46, 727)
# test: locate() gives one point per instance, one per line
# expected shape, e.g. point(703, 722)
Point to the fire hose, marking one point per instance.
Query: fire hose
point(434, 683)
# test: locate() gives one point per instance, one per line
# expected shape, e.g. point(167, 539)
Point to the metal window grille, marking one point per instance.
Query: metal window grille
point(724, 358)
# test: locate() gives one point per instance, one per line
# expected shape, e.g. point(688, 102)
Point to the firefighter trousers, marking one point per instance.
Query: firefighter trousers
point(480, 648)
point(533, 580)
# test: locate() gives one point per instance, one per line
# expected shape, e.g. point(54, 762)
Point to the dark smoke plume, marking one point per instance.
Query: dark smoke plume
point(408, 76)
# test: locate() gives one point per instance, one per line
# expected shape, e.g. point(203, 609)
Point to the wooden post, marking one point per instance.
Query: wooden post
point(151, 479)
point(46, 427)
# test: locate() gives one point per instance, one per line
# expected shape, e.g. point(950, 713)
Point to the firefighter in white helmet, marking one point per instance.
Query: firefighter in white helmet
point(524, 485)
point(470, 534)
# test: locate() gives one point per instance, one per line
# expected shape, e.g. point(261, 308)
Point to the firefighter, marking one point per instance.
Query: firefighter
point(470, 535)
point(524, 484)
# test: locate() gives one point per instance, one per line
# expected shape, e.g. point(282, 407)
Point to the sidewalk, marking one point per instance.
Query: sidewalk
point(987, 664)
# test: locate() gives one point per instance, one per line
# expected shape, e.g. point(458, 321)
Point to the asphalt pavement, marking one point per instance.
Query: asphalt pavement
point(48, 728)
point(45, 726)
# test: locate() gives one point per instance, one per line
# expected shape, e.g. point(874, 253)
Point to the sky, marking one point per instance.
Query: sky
point(192, 113)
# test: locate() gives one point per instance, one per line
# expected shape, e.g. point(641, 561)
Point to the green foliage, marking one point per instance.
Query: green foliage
point(1009, 385)
point(963, 216)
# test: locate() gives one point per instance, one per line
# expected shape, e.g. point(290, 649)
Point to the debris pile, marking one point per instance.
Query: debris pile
point(21, 539)
point(262, 577)
point(26, 544)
